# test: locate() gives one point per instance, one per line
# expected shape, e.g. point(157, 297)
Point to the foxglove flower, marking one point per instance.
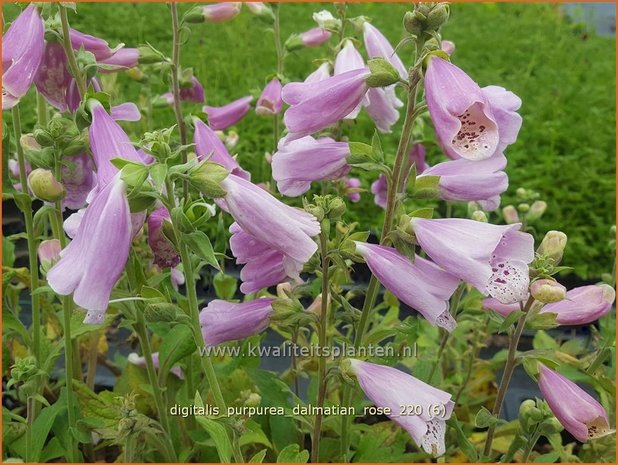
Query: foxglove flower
point(323, 72)
point(221, 12)
point(465, 118)
point(378, 46)
point(382, 107)
point(264, 266)
point(503, 309)
point(392, 388)
point(299, 162)
point(349, 59)
point(464, 180)
point(432, 288)
point(209, 146)
point(92, 263)
point(220, 118)
point(165, 255)
point(121, 60)
point(95, 45)
point(23, 45)
point(270, 101)
point(79, 179)
point(494, 259)
point(223, 321)
point(193, 93)
point(140, 361)
point(583, 305)
point(177, 278)
point(125, 112)
point(53, 78)
point(318, 105)
point(353, 184)
point(108, 141)
point(279, 226)
point(580, 413)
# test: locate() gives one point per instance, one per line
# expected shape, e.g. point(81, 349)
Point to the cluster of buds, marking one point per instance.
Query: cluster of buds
point(426, 18)
point(529, 208)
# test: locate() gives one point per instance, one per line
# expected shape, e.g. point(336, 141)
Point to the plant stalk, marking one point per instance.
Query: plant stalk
point(509, 368)
point(322, 382)
point(68, 50)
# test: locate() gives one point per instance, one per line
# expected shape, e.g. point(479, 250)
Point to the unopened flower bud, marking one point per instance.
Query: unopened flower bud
point(479, 215)
point(261, 10)
point(326, 20)
point(207, 177)
point(231, 139)
point(553, 246)
point(414, 22)
point(551, 426)
point(44, 185)
point(136, 74)
point(43, 138)
point(29, 142)
point(510, 214)
point(438, 15)
point(213, 13)
point(547, 291)
point(383, 74)
point(537, 209)
point(523, 207)
point(148, 56)
point(254, 400)
point(49, 252)
point(336, 208)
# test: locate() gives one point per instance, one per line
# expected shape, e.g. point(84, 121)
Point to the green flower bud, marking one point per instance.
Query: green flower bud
point(553, 246)
point(536, 210)
point(29, 142)
point(43, 138)
point(148, 56)
point(383, 74)
point(207, 178)
point(480, 215)
point(44, 185)
point(547, 291)
point(195, 16)
point(254, 400)
point(510, 214)
point(523, 207)
point(336, 208)
point(438, 15)
point(414, 22)
point(293, 43)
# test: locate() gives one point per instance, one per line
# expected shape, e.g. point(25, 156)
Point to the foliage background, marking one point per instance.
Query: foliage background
point(564, 74)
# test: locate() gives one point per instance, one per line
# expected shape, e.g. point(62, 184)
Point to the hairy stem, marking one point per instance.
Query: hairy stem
point(317, 427)
point(182, 128)
point(68, 50)
point(509, 368)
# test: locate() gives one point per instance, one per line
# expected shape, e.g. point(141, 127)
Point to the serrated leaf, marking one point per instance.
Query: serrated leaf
point(199, 243)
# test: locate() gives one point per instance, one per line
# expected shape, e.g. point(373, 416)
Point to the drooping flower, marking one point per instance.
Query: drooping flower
point(378, 46)
point(79, 179)
point(279, 226)
point(223, 321)
point(221, 12)
point(270, 101)
point(299, 162)
point(264, 266)
point(257, 8)
point(92, 263)
point(492, 258)
point(580, 413)
point(125, 112)
point(432, 288)
point(392, 388)
point(23, 45)
point(220, 118)
point(503, 309)
point(464, 180)
point(165, 255)
point(192, 93)
point(352, 193)
point(318, 105)
point(208, 145)
point(140, 361)
point(177, 278)
point(583, 305)
point(95, 45)
point(465, 116)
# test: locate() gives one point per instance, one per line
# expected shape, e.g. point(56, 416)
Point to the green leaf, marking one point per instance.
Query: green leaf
point(259, 457)
point(510, 320)
point(293, 454)
point(376, 145)
point(199, 243)
point(466, 445)
point(484, 418)
point(177, 344)
point(219, 436)
point(8, 252)
point(550, 457)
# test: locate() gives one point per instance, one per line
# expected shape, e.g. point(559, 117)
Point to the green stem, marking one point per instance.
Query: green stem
point(32, 240)
point(30, 409)
point(67, 309)
point(182, 128)
point(317, 426)
point(531, 443)
point(509, 368)
point(41, 110)
point(68, 50)
point(473, 356)
point(393, 189)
